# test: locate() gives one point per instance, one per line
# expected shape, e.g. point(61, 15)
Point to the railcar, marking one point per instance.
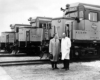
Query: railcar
point(41, 34)
point(29, 40)
point(21, 36)
point(7, 40)
point(2, 41)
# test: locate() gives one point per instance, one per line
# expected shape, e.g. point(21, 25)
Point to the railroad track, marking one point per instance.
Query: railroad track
point(30, 62)
point(24, 62)
point(12, 55)
point(16, 62)
point(34, 62)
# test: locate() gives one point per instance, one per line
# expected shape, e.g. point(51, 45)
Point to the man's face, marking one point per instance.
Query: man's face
point(63, 35)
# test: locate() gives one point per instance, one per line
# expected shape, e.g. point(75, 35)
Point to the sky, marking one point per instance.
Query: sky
point(19, 11)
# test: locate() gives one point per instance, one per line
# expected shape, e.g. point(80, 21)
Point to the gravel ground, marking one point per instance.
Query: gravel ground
point(78, 71)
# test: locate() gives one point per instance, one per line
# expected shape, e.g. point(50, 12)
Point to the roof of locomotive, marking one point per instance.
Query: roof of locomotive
point(62, 18)
point(13, 25)
point(22, 25)
point(19, 25)
point(29, 27)
point(33, 20)
point(45, 17)
point(77, 4)
point(8, 32)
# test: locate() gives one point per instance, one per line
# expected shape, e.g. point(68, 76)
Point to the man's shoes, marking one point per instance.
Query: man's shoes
point(53, 68)
point(66, 69)
point(56, 68)
point(63, 68)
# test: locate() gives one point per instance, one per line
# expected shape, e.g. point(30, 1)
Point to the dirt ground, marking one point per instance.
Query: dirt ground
point(78, 71)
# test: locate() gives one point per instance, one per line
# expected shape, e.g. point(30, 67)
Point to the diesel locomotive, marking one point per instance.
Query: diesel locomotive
point(81, 23)
point(6, 40)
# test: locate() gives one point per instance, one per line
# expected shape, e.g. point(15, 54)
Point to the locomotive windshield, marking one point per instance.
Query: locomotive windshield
point(71, 12)
point(45, 25)
point(42, 25)
point(74, 14)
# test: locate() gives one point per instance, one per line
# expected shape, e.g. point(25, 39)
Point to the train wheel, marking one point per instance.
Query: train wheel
point(77, 54)
point(44, 53)
point(38, 51)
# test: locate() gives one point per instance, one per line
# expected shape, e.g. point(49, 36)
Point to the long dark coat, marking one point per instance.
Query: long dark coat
point(54, 49)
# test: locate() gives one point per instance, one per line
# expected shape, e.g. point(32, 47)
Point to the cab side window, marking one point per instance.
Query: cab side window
point(40, 25)
point(81, 15)
point(44, 25)
point(92, 16)
point(49, 26)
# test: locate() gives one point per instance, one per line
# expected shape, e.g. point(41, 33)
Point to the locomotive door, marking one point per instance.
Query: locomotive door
point(17, 34)
point(68, 28)
point(7, 38)
point(49, 30)
point(46, 31)
point(27, 37)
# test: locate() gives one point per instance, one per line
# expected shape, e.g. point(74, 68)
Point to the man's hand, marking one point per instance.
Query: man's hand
point(49, 52)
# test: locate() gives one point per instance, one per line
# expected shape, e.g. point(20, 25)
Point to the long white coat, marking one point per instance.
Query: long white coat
point(65, 48)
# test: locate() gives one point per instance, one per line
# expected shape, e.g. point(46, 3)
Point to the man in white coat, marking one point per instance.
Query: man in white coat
point(65, 50)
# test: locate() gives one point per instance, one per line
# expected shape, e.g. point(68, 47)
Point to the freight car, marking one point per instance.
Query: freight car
point(7, 40)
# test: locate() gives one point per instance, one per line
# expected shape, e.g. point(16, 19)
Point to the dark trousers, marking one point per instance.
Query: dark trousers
point(66, 63)
point(54, 64)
